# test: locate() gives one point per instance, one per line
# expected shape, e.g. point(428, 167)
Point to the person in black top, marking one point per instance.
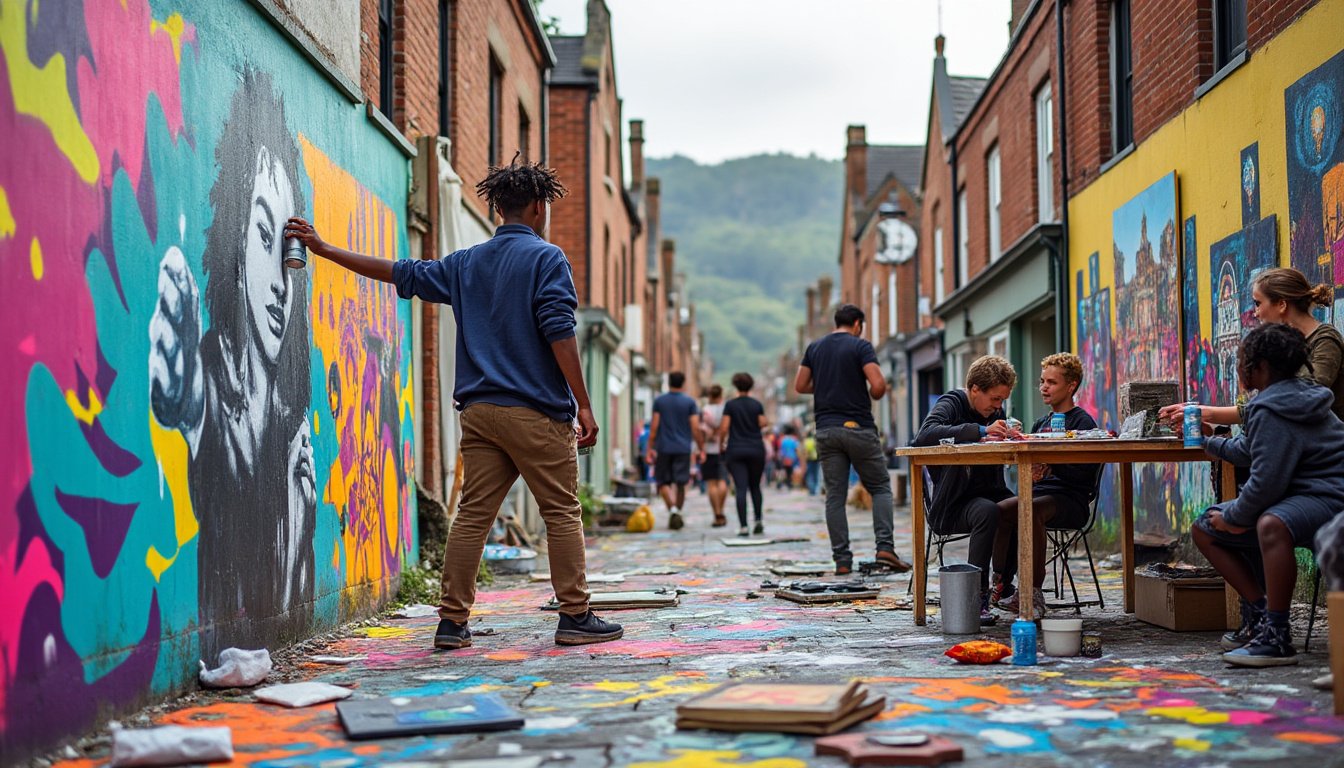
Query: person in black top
point(744, 451)
point(1061, 494)
point(841, 371)
point(966, 498)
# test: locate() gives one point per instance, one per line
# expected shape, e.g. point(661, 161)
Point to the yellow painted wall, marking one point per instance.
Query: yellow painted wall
point(1203, 146)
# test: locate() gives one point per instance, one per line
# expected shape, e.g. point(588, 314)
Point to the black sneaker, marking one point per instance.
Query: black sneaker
point(450, 635)
point(674, 521)
point(843, 569)
point(1271, 647)
point(1001, 590)
point(988, 618)
point(1251, 620)
point(759, 529)
point(586, 629)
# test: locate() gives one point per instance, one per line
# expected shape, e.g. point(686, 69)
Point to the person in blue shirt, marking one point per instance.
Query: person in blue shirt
point(788, 457)
point(673, 429)
point(519, 386)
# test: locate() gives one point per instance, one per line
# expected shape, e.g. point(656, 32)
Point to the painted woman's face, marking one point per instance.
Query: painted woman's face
point(267, 284)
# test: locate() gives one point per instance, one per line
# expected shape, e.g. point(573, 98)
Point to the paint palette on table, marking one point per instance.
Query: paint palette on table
point(412, 715)
point(870, 749)
point(631, 599)
point(785, 707)
point(815, 592)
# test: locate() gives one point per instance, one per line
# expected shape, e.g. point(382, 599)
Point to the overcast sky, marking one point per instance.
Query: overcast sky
point(717, 79)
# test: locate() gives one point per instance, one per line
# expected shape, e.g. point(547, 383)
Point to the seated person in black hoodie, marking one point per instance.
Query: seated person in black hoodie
point(1292, 442)
point(1061, 494)
point(966, 498)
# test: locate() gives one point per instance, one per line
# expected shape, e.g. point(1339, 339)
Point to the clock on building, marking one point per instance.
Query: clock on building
point(896, 241)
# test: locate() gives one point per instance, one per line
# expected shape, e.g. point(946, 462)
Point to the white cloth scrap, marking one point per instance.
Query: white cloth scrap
point(301, 694)
point(237, 669)
point(171, 745)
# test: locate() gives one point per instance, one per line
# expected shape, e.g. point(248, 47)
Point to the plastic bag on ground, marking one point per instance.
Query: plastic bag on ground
point(301, 694)
point(171, 745)
point(237, 669)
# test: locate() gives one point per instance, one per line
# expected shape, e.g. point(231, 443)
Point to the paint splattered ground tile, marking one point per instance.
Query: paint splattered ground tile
point(1156, 697)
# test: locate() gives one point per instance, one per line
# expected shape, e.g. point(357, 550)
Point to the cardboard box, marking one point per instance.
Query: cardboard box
point(1181, 605)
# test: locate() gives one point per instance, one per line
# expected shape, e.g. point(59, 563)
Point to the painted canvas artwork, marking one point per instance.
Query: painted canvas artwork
point(1097, 394)
point(1234, 262)
point(1200, 378)
point(1314, 107)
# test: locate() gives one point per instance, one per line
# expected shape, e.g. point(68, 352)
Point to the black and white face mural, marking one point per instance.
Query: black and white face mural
point(239, 391)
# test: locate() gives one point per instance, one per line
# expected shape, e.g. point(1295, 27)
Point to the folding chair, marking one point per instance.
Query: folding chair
point(932, 539)
point(1315, 602)
point(1061, 542)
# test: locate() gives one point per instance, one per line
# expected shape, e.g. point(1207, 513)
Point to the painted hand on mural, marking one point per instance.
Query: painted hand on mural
point(301, 513)
point(177, 384)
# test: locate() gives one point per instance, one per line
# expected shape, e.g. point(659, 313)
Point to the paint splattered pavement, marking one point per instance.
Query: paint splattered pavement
point(1155, 698)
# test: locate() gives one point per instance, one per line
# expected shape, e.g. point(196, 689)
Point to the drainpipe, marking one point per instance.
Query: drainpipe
point(1062, 251)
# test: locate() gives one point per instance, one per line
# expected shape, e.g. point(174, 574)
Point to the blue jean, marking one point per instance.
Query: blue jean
point(812, 476)
point(839, 449)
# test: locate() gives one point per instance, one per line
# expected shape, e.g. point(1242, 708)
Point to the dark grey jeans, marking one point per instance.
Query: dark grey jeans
point(839, 448)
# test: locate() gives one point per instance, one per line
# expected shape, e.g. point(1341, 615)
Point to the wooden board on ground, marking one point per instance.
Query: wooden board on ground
point(815, 592)
point(407, 716)
point(746, 542)
point(801, 569)
point(593, 578)
point(774, 702)
point(862, 749)
point(870, 707)
point(629, 600)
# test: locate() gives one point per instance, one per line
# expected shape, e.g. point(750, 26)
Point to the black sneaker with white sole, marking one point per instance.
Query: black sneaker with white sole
point(1251, 621)
point(450, 635)
point(759, 529)
point(1272, 647)
point(585, 629)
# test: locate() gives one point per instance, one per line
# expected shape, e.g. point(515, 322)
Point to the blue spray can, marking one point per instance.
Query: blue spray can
point(1024, 643)
point(1193, 425)
point(1057, 424)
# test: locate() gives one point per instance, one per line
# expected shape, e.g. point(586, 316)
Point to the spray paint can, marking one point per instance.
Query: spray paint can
point(1057, 424)
point(1024, 643)
point(1193, 425)
point(296, 256)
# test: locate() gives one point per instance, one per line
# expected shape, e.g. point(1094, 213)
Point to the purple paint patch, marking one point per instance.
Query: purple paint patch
point(106, 375)
point(118, 461)
point(105, 524)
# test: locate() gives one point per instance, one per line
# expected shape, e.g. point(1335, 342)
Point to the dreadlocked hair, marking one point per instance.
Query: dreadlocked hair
point(511, 188)
point(1279, 345)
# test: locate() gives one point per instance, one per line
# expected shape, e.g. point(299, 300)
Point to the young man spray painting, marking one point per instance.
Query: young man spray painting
point(519, 386)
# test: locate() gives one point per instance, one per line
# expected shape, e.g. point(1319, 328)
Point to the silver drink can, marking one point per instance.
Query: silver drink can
point(296, 256)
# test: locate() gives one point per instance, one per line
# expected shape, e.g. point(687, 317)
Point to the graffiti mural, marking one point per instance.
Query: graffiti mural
point(1314, 107)
point(171, 450)
point(1097, 395)
point(1200, 376)
point(1147, 295)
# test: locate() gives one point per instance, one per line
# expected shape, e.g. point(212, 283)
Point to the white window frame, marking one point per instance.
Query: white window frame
point(963, 241)
point(1045, 154)
point(939, 268)
point(875, 320)
point(891, 303)
point(994, 185)
point(998, 344)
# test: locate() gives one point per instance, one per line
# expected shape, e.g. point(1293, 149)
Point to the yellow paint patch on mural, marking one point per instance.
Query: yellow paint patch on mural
point(1192, 745)
point(35, 259)
point(660, 687)
point(1192, 715)
point(41, 92)
point(84, 413)
point(7, 224)
point(173, 27)
point(173, 454)
point(703, 758)
point(383, 633)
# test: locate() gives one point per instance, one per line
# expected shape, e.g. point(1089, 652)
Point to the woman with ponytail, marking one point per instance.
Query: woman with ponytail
point(1285, 296)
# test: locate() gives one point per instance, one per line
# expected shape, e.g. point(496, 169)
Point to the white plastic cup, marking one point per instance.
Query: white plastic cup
point(1063, 637)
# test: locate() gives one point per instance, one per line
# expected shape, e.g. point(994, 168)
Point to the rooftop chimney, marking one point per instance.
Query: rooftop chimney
point(636, 154)
point(856, 160)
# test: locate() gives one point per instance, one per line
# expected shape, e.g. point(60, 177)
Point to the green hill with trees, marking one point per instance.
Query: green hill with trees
point(752, 234)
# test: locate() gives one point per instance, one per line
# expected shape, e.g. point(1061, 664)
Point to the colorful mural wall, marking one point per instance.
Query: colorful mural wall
point(1254, 178)
point(202, 448)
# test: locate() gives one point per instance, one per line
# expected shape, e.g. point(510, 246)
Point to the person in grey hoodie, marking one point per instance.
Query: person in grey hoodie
point(1292, 443)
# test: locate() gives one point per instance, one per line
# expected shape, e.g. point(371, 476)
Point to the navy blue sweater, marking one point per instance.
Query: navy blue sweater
point(512, 296)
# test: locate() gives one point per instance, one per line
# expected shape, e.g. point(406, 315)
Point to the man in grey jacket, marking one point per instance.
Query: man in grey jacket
point(1292, 443)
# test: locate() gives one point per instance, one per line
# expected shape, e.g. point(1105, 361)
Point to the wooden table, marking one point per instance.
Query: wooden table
point(1025, 453)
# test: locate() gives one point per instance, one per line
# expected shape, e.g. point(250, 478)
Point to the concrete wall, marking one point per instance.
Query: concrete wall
point(202, 448)
point(328, 24)
point(1249, 176)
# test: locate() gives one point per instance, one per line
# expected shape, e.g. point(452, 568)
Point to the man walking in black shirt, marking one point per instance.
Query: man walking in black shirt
point(841, 371)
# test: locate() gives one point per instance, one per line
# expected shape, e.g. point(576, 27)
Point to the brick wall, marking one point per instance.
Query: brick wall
point(415, 60)
point(569, 154)
point(937, 210)
point(1172, 50)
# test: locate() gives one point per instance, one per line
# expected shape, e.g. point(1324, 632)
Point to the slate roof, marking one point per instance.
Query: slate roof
point(964, 91)
point(569, 61)
point(905, 162)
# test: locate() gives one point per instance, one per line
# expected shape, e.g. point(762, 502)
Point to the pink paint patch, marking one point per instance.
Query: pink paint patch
point(659, 649)
point(1246, 717)
point(28, 345)
point(1174, 703)
point(753, 626)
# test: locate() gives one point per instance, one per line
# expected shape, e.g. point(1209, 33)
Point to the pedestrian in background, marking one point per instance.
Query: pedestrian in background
point(742, 427)
point(812, 472)
point(789, 453)
point(713, 469)
point(840, 370)
point(675, 425)
point(519, 386)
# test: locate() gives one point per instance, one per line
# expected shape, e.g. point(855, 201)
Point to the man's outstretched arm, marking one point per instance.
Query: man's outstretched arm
point(368, 266)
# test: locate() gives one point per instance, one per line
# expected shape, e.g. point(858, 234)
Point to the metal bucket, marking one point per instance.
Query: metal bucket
point(959, 599)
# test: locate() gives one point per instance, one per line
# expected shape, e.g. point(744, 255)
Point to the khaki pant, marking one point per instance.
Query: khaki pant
point(498, 444)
